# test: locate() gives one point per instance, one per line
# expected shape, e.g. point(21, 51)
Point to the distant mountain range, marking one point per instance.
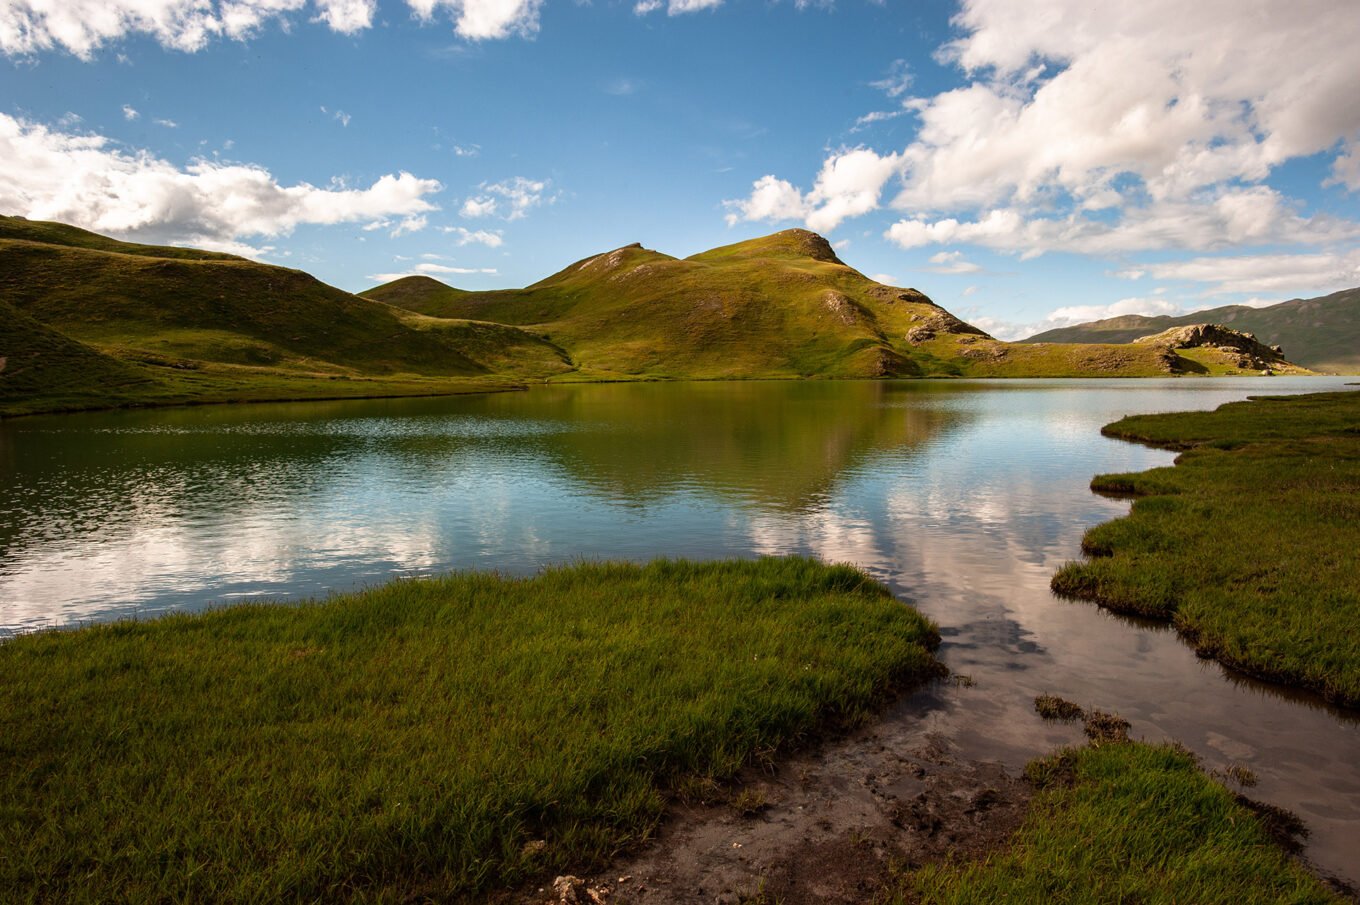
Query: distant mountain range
point(1319, 333)
point(87, 321)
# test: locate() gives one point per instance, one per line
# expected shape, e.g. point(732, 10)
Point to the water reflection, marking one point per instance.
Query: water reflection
point(964, 496)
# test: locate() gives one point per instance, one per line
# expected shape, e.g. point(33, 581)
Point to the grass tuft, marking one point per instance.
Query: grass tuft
point(426, 739)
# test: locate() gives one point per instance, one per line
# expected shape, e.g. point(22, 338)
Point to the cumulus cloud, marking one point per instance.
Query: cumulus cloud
point(510, 199)
point(90, 181)
point(82, 26)
point(848, 185)
point(480, 20)
point(1091, 127)
point(1227, 218)
point(129, 113)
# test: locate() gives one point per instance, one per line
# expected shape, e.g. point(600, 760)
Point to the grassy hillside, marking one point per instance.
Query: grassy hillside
point(134, 324)
point(38, 362)
point(1319, 333)
point(75, 237)
point(782, 305)
point(137, 324)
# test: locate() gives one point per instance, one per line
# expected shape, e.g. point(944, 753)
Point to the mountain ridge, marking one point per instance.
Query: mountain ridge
point(92, 322)
point(1322, 333)
point(782, 305)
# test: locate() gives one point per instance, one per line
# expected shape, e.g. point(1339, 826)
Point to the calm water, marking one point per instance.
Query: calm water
point(964, 496)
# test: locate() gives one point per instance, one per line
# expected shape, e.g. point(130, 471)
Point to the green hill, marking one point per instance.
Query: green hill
point(1319, 333)
point(782, 305)
point(88, 321)
point(167, 324)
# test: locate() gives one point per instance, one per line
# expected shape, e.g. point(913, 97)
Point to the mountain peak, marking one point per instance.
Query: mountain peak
point(788, 243)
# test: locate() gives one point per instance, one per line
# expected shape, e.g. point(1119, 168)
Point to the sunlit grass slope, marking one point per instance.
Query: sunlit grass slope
point(262, 331)
point(1248, 543)
point(407, 742)
point(782, 305)
point(1123, 823)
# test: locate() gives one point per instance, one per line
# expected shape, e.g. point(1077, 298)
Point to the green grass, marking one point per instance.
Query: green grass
point(407, 742)
point(1126, 823)
point(1248, 544)
point(89, 322)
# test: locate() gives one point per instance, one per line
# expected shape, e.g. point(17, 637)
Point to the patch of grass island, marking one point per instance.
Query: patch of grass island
point(1248, 543)
point(426, 740)
point(1120, 821)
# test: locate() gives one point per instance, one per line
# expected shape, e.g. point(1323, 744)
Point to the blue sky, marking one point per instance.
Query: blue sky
point(1026, 165)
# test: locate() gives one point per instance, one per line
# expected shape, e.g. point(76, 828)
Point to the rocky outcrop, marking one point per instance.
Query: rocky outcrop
point(1251, 354)
point(940, 321)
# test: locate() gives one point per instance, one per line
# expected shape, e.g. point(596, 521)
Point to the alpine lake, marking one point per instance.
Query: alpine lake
point(964, 496)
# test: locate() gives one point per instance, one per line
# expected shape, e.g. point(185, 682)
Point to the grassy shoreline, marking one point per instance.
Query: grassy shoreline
point(1247, 544)
point(1123, 821)
point(443, 738)
point(326, 389)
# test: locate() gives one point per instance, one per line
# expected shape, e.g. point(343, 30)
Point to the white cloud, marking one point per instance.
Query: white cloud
point(424, 270)
point(410, 225)
point(898, 80)
point(877, 116)
point(347, 16)
point(1094, 128)
point(88, 180)
point(83, 26)
point(952, 262)
point(129, 113)
point(427, 267)
point(466, 150)
point(510, 199)
point(1346, 167)
point(489, 238)
point(167, 123)
point(479, 20)
point(848, 185)
point(770, 199)
point(339, 116)
point(1296, 275)
point(478, 207)
point(1228, 218)
point(679, 7)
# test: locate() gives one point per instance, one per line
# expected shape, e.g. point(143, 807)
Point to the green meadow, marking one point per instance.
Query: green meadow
point(427, 739)
point(1248, 543)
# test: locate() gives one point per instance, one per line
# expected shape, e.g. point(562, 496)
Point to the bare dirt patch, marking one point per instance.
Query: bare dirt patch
point(829, 825)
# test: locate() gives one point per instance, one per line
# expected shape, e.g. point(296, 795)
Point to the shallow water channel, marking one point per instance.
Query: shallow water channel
point(965, 496)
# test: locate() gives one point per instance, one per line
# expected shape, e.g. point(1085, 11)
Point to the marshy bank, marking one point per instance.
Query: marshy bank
point(427, 740)
point(1248, 543)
